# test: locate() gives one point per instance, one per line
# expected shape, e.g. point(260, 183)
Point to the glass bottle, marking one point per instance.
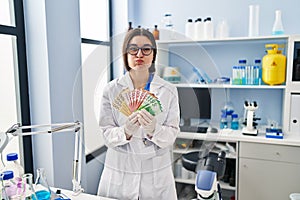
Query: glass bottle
point(277, 27)
point(14, 165)
point(29, 192)
point(235, 122)
point(9, 186)
point(42, 189)
point(3, 194)
point(223, 121)
point(130, 26)
point(156, 33)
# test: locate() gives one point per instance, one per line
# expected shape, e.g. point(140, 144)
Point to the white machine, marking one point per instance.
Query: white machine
point(250, 128)
point(209, 168)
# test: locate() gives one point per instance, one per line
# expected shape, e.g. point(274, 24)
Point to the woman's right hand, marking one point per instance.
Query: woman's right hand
point(131, 125)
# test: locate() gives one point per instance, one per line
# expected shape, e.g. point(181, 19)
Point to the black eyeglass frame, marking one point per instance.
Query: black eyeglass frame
point(140, 48)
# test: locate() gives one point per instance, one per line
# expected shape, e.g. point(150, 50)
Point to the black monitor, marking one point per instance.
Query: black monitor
point(194, 103)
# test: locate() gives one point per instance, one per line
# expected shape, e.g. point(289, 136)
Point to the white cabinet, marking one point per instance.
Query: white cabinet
point(268, 171)
point(190, 142)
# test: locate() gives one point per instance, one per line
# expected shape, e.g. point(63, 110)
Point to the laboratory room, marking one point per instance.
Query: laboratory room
point(140, 100)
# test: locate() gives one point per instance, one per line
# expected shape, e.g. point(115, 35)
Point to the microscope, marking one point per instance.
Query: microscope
point(210, 167)
point(249, 121)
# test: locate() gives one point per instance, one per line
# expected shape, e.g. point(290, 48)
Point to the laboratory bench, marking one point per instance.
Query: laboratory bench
point(265, 168)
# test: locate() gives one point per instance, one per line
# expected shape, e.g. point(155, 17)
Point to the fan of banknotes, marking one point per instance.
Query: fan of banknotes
point(129, 101)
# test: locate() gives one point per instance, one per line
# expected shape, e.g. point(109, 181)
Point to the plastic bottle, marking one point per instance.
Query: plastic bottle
point(222, 30)
point(14, 165)
point(257, 72)
point(208, 28)
point(199, 34)
point(42, 189)
point(296, 67)
point(189, 29)
point(223, 121)
point(155, 33)
point(277, 26)
point(235, 122)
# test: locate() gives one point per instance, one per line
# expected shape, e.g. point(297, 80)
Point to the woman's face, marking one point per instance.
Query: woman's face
point(139, 53)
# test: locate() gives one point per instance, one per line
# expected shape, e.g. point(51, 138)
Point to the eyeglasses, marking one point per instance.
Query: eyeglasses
point(134, 49)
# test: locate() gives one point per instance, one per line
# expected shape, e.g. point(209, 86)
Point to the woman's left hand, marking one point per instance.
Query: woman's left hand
point(147, 121)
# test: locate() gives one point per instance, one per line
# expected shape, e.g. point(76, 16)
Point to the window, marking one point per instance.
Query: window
point(96, 50)
point(13, 77)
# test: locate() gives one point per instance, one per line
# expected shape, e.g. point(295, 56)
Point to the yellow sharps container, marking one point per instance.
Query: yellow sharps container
point(273, 65)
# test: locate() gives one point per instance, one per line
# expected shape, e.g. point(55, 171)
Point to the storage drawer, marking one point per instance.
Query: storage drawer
point(273, 152)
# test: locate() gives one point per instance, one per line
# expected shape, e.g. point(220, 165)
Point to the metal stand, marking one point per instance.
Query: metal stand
point(15, 130)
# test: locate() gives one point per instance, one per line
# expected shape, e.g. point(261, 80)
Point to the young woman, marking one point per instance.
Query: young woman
point(138, 162)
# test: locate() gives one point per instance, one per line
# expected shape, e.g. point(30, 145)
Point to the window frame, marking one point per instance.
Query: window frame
point(19, 32)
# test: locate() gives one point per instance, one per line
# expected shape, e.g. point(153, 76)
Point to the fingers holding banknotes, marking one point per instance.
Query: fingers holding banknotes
point(132, 124)
point(147, 121)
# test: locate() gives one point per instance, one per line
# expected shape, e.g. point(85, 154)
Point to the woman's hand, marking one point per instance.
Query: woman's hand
point(132, 125)
point(147, 121)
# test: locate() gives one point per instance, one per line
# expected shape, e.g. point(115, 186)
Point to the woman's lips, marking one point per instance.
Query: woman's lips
point(139, 62)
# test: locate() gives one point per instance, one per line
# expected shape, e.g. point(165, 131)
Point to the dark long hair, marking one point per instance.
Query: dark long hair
point(138, 32)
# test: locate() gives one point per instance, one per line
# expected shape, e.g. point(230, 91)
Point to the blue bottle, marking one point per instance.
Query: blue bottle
point(235, 122)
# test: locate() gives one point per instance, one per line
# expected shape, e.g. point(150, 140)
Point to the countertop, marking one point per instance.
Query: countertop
point(229, 135)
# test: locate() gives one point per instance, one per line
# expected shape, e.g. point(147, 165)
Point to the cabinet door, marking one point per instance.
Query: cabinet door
point(261, 179)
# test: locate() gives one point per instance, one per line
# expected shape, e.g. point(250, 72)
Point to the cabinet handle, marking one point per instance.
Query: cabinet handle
point(277, 154)
point(245, 166)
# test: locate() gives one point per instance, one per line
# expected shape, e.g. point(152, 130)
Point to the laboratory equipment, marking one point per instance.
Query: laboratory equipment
point(29, 192)
point(222, 30)
point(208, 28)
point(253, 21)
point(155, 33)
point(274, 65)
point(189, 29)
point(250, 128)
point(13, 165)
point(10, 186)
point(199, 34)
point(77, 127)
point(210, 167)
point(277, 26)
point(235, 122)
point(223, 121)
point(41, 186)
point(172, 74)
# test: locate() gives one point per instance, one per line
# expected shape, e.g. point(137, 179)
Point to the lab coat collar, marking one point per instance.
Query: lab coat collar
point(126, 81)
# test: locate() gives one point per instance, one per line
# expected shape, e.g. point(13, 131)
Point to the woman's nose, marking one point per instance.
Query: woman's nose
point(140, 53)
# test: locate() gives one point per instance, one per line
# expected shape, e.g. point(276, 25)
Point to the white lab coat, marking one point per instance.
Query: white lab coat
point(133, 169)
